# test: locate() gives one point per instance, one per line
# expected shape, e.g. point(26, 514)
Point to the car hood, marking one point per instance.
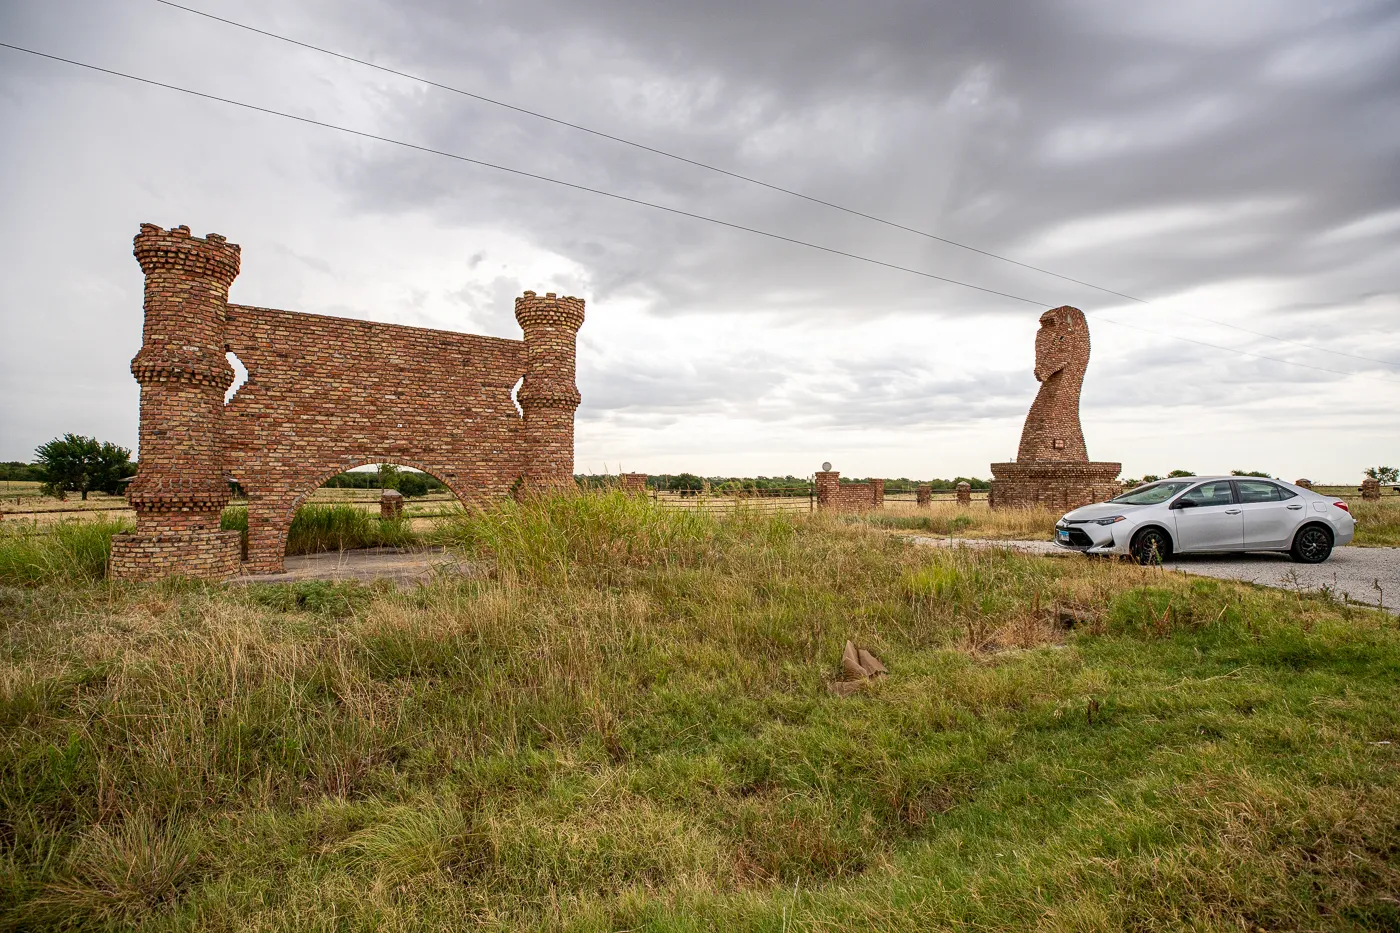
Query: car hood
point(1102, 510)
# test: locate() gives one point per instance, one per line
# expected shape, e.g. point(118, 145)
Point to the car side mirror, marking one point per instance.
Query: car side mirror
point(1183, 504)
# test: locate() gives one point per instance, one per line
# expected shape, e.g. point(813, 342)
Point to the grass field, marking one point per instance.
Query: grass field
point(629, 726)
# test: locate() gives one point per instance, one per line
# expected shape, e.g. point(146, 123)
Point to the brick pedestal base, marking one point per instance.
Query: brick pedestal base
point(206, 555)
point(1053, 484)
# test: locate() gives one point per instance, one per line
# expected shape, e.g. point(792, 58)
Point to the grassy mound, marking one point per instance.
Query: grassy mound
point(630, 726)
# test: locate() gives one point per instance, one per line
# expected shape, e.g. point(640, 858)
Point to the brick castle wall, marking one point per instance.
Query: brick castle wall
point(325, 395)
point(836, 496)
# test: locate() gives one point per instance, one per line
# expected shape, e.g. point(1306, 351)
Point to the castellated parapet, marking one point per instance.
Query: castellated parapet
point(1052, 467)
point(323, 395)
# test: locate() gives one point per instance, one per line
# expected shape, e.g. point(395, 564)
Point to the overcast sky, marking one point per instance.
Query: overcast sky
point(1234, 161)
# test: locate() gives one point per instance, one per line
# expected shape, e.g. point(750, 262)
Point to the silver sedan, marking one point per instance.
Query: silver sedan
point(1203, 514)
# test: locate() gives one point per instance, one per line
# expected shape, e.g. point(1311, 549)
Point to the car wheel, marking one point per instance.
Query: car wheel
point(1150, 546)
point(1312, 545)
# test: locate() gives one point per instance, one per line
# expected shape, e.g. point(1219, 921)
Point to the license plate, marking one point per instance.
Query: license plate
point(1062, 535)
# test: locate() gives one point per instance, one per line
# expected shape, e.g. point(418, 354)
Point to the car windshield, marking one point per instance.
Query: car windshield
point(1151, 495)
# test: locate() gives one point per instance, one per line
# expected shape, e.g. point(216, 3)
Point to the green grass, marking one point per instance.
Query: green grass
point(1377, 522)
point(628, 726)
point(58, 554)
point(318, 528)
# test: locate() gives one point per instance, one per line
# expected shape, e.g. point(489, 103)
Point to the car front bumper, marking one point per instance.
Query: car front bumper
point(1090, 538)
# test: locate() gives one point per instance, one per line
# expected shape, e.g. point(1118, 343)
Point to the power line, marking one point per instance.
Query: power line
point(520, 172)
point(737, 175)
point(636, 145)
point(637, 201)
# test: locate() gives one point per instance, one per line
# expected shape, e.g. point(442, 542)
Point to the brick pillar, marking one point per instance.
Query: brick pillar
point(549, 397)
point(828, 484)
point(180, 490)
point(964, 494)
point(1370, 488)
point(877, 493)
point(923, 495)
point(634, 484)
point(391, 505)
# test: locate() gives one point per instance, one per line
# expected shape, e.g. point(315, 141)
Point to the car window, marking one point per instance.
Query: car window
point(1215, 493)
point(1150, 495)
point(1253, 490)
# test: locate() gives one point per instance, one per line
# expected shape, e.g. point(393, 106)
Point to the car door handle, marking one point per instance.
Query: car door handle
point(1233, 511)
point(1295, 507)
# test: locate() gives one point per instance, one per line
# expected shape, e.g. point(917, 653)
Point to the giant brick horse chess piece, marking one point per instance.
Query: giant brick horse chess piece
point(323, 395)
point(1052, 467)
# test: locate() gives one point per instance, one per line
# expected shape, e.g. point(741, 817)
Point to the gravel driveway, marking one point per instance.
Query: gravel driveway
point(1351, 571)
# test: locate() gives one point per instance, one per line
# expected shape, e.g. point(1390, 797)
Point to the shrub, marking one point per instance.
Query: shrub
point(69, 551)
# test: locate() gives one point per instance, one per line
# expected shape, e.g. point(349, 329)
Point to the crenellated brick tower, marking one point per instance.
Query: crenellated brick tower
point(549, 396)
point(181, 491)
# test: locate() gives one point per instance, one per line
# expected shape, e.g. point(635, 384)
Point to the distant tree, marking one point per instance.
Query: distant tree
point(1175, 473)
point(18, 472)
point(1384, 474)
point(1258, 473)
point(389, 476)
point(73, 463)
point(1150, 477)
point(412, 484)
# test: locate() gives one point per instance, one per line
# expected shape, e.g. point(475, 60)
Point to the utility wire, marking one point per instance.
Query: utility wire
point(520, 172)
point(732, 174)
point(619, 197)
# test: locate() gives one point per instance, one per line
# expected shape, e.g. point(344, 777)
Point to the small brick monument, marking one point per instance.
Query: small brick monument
point(324, 395)
point(964, 491)
point(836, 496)
point(1052, 467)
point(634, 484)
point(1305, 483)
point(391, 505)
point(1370, 488)
point(923, 496)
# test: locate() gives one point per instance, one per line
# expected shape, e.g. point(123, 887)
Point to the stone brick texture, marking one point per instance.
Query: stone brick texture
point(836, 496)
point(1052, 467)
point(1370, 488)
point(391, 505)
point(923, 495)
point(964, 491)
point(323, 395)
point(633, 483)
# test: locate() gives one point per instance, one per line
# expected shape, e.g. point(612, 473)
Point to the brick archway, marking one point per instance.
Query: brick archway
point(322, 395)
point(270, 512)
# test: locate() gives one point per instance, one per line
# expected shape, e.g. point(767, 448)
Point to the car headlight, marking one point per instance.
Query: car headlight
point(1110, 520)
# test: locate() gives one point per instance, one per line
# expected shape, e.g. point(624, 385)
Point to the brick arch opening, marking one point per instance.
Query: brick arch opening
point(272, 515)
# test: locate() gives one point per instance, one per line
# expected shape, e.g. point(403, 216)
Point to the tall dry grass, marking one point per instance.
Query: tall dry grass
point(629, 726)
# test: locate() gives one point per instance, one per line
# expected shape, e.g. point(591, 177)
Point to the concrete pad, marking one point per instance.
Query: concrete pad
point(403, 566)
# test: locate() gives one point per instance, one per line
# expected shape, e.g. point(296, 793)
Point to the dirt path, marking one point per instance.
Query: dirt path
point(1369, 575)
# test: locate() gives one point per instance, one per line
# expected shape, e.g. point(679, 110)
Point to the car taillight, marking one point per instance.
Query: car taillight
point(1342, 505)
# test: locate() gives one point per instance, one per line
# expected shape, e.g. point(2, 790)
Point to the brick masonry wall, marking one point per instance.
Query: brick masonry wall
point(325, 395)
point(836, 496)
point(391, 505)
point(923, 495)
point(633, 483)
point(210, 555)
point(1052, 467)
point(964, 491)
point(1370, 488)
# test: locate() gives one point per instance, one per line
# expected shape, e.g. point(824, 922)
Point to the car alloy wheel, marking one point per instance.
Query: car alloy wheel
point(1312, 546)
point(1151, 547)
